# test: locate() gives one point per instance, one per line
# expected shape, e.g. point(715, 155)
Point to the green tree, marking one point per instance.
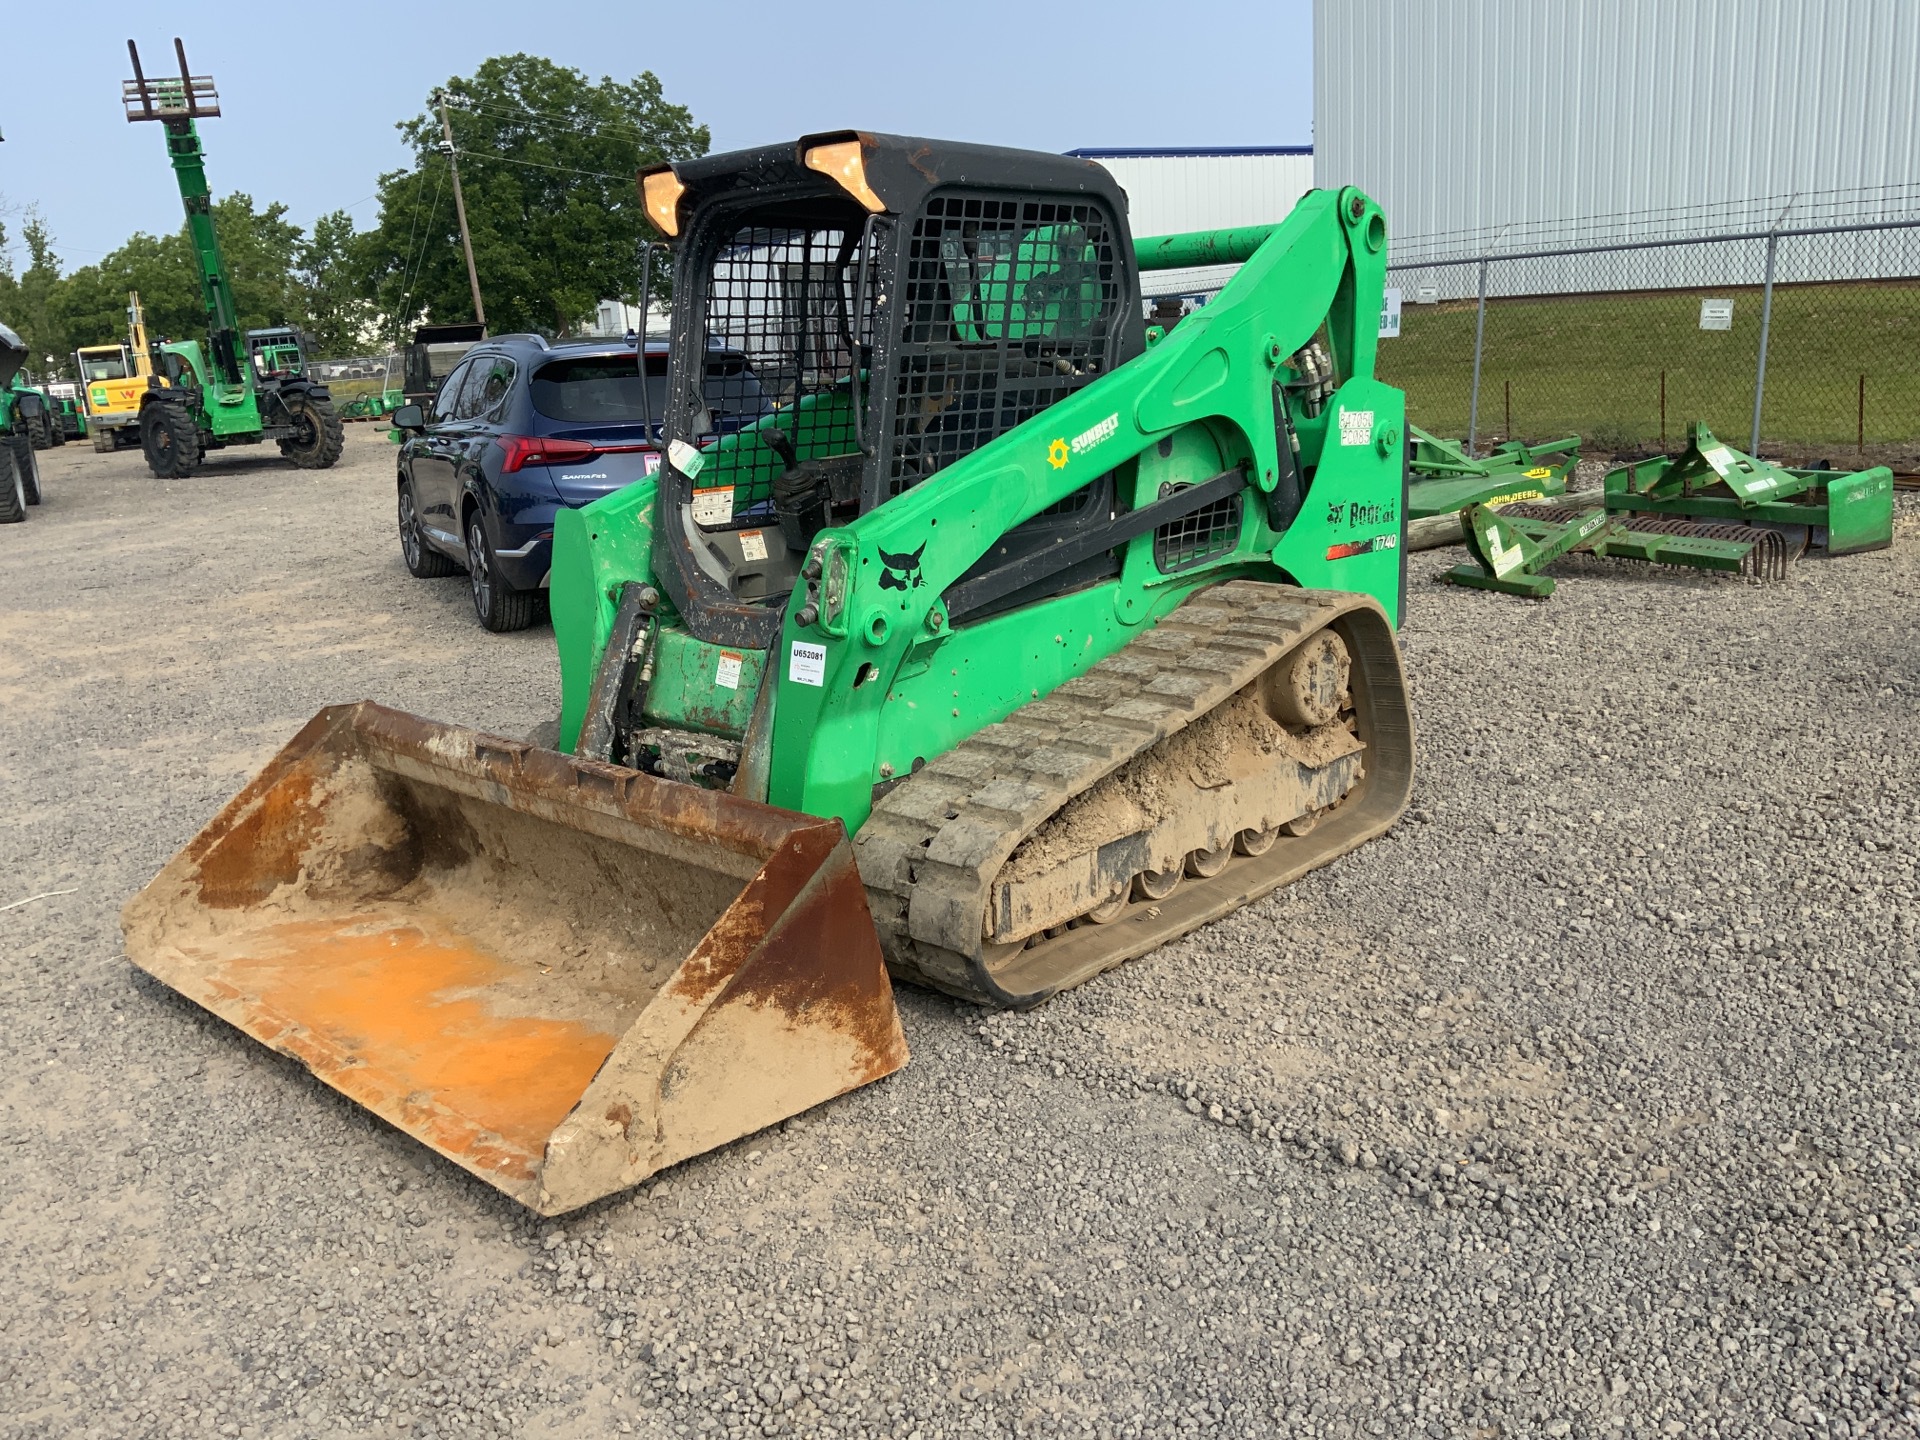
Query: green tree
point(340, 313)
point(27, 300)
point(9, 282)
point(547, 165)
point(259, 246)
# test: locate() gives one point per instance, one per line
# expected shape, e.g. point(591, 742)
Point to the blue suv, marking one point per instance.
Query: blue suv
point(521, 428)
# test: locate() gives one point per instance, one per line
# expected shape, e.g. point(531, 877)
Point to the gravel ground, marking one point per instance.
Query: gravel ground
point(1581, 1105)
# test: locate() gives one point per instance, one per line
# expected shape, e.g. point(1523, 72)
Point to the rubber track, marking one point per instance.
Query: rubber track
point(931, 849)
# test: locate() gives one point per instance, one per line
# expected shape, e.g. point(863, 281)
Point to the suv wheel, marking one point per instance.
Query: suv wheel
point(423, 561)
point(499, 606)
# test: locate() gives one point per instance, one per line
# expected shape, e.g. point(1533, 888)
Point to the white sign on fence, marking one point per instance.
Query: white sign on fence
point(1716, 314)
point(1390, 316)
point(1426, 294)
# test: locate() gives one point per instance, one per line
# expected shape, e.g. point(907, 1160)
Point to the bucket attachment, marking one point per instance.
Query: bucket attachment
point(561, 975)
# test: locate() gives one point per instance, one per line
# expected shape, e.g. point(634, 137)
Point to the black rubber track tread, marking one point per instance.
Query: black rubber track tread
point(934, 844)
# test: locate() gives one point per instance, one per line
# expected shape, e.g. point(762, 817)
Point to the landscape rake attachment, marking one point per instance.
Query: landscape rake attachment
point(1512, 548)
point(1836, 511)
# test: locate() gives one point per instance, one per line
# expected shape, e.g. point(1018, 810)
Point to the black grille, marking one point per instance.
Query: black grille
point(1194, 539)
point(784, 297)
point(1009, 303)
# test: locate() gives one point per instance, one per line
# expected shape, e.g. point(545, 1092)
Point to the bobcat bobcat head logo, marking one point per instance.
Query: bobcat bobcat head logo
point(902, 572)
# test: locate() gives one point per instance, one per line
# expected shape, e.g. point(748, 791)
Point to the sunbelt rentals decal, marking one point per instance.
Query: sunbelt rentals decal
point(1063, 449)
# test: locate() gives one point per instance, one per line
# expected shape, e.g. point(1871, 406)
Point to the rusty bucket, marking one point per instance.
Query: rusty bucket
point(561, 975)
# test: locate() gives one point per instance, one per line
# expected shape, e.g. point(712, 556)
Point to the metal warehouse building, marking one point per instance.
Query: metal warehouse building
point(1169, 191)
point(1501, 121)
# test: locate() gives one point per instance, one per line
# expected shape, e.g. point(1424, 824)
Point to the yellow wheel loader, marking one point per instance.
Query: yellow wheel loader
point(971, 630)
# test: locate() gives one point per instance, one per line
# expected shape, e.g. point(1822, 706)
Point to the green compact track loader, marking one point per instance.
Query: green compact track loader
point(999, 646)
point(220, 394)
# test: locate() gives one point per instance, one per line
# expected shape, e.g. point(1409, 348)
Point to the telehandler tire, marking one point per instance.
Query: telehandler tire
point(321, 437)
point(27, 466)
point(40, 431)
point(13, 492)
point(169, 440)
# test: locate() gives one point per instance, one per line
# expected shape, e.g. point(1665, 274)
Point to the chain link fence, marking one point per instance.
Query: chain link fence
point(1799, 342)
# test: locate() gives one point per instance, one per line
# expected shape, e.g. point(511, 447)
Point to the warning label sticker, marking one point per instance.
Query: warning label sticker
point(728, 676)
point(713, 507)
point(753, 545)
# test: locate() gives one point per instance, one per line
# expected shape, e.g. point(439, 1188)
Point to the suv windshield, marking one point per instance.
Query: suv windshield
point(599, 389)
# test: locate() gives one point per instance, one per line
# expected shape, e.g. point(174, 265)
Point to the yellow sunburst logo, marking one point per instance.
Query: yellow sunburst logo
point(1057, 454)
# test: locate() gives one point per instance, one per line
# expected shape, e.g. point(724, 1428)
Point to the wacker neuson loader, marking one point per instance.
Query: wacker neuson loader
point(1006, 640)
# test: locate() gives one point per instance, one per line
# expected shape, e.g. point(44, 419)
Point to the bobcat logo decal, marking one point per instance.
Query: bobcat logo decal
point(902, 572)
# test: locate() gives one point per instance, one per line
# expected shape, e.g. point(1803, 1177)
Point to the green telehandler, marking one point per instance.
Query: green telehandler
point(1084, 638)
point(218, 394)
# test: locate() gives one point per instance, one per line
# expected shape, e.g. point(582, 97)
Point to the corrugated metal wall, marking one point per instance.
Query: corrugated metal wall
point(1473, 115)
point(1171, 191)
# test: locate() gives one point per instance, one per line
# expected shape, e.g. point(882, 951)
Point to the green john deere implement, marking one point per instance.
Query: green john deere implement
point(1512, 548)
point(1085, 636)
point(1836, 511)
point(1443, 479)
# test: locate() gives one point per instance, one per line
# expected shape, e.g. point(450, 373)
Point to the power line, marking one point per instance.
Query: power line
point(550, 117)
point(541, 165)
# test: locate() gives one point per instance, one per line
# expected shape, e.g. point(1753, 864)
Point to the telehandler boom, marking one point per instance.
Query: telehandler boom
point(1084, 636)
point(229, 392)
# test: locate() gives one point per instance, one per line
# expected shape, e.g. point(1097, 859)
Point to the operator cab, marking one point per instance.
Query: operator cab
point(277, 353)
point(900, 302)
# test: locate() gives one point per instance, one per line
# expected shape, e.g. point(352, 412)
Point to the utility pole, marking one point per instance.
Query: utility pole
point(459, 203)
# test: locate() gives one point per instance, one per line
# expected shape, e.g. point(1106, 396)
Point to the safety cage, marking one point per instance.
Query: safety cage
point(891, 348)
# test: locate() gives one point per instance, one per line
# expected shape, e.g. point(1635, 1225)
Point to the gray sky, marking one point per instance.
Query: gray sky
point(310, 95)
